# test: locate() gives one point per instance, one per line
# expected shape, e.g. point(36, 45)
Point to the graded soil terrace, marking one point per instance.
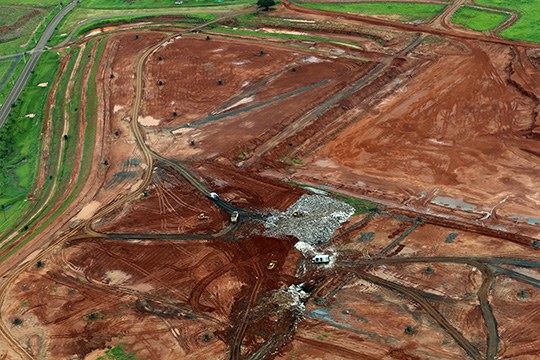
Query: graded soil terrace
point(462, 128)
point(260, 95)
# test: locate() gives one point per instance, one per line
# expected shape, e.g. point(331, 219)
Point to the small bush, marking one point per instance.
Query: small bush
point(409, 330)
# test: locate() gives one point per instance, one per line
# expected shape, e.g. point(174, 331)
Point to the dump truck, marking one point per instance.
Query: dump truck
point(234, 216)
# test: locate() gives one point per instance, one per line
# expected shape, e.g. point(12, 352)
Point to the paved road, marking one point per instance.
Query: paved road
point(32, 62)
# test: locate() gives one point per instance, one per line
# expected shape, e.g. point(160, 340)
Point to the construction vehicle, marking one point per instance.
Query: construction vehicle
point(203, 216)
point(213, 196)
point(321, 259)
point(272, 265)
point(296, 213)
point(234, 216)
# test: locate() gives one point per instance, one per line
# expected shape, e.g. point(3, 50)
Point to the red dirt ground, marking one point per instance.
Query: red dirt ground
point(455, 137)
point(202, 278)
point(171, 206)
point(454, 118)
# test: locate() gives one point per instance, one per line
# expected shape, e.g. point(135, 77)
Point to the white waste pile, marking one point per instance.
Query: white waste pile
point(317, 219)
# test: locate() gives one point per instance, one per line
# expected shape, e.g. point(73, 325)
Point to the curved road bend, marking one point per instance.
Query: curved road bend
point(32, 62)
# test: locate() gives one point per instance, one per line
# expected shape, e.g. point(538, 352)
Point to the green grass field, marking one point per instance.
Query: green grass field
point(31, 2)
point(406, 12)
point(477, 19)
point(146, 4)
point(527, 27)
point(24, 24)
point(5, 66)
point(19, 145)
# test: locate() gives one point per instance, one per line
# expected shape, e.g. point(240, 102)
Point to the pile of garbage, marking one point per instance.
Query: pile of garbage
point(312, 219)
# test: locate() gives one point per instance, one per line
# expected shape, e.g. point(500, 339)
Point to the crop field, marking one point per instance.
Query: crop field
point(479, 20)
point(325, 180)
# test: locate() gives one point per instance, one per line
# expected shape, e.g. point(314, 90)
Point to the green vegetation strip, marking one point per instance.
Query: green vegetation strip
point(92, 10)
point(116, 18)
point(277, 35)
point(56, 118)
point(478, 19)
point(19, 145)
point(147, 4)
point(361, 206)
point(185, 19)
point(403, 11)
point(88, 148)
point(527, 27)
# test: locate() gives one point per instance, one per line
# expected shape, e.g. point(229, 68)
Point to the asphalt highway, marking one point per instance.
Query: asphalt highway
point(35, 54)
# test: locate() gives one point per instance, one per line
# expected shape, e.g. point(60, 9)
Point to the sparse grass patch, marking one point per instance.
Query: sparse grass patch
point(96, 315)
point(361, 206)
point(244, 155)
point(477, 19)
point(117, 353)
point(293, 161)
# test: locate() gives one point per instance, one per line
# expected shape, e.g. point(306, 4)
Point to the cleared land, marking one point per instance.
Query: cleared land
point(125, 250)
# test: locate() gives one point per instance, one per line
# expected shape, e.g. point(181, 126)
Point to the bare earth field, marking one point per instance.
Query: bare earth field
point(212, 150)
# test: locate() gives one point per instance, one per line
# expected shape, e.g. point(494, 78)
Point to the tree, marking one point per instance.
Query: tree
point(265, 4)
